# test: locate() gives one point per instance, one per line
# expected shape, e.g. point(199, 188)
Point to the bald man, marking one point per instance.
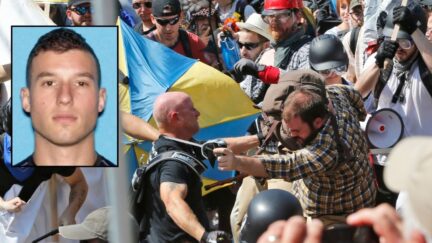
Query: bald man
point(173, 203)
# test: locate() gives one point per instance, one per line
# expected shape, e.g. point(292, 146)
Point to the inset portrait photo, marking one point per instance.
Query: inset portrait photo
point(64, 96)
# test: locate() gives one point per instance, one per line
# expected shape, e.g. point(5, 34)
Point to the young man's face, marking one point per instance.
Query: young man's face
point(80, 15)
point(143, 9)
point(63, 99)
point(167, 28)
point(250, 45)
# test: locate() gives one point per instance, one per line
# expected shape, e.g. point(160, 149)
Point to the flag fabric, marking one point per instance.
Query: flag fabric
point(154, 69)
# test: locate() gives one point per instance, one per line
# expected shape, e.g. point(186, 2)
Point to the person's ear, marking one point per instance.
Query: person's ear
point(69, 13)
point(318, 123)
point(25, 99)
point(102, 99)
point(153, 19)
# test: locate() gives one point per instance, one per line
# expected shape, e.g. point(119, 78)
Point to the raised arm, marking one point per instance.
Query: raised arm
point(138, 128)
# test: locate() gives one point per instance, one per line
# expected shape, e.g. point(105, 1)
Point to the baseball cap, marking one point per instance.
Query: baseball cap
point(354, 3)
point(95, 225)
point(166, 8)
point(77, 2)
point(409, 169)
point(255, 24)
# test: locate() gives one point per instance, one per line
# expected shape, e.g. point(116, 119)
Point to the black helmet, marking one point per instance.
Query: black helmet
point(265, 208)
point(326, 52)
point(6, 116)
point(417, 11)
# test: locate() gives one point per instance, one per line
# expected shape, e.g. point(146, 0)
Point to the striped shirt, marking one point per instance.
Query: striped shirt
point(324, 184)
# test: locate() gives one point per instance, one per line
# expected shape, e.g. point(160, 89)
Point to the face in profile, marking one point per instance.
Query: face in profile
point(63, 99)
point(189, 115)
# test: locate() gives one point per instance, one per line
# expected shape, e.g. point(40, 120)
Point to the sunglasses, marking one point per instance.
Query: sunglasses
point(278, 16)
point(338, 70)
point(171, 21)
point(81, 10)
point(248, 46)
point(139, 5)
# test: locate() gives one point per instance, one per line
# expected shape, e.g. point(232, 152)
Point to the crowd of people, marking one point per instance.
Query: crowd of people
point(315, 69)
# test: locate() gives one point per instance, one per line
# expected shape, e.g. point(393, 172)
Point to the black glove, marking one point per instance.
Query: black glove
point(216, 237)
point(404, 17)
point(247, 67)
point(207, 149)
point(387, 49)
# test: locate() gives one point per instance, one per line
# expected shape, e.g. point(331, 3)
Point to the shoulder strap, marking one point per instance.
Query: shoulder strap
point(353, 39)
point(425, 75)
point(292, 49)
point(184, 38)
point(180, 157)
point(384, 75)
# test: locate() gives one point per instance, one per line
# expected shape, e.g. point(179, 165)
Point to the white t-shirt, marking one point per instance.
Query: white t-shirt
point(416, 109)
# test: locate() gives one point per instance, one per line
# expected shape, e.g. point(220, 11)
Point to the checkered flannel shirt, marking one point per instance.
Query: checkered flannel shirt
point(324, 184)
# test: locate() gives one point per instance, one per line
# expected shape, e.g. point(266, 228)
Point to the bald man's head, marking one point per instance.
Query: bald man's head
point(175, 114)
point(166, 103)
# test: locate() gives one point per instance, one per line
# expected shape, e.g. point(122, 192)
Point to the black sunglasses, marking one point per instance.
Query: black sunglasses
point(81, 10)
point(138, 5)
point(164, 22)
point(248, 46)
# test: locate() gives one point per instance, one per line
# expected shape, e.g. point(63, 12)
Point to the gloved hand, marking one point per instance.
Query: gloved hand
point(216, 237)
point(404, 17)
point(247, 67)
point(207, 149)
point(387, 49)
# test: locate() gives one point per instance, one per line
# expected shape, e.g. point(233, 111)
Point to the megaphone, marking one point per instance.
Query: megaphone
point(383, 128)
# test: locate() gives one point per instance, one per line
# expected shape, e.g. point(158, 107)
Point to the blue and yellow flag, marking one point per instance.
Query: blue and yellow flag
point(154, 69)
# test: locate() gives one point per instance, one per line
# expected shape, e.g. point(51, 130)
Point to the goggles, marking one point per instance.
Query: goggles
point(140, 5)
point(82, 10)
point(171, 21)
point(403, 43)
point(248, 46)
point(338, 70)
point(277, 15)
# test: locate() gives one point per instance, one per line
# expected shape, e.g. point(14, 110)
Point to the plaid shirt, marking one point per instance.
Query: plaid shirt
point(324, 184)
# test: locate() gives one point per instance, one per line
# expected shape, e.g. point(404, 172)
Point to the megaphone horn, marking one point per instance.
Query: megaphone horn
point(384, 128)
point(377, 127)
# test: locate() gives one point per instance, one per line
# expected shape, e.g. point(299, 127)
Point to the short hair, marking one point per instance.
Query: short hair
point(61, 40)
point(306, 104)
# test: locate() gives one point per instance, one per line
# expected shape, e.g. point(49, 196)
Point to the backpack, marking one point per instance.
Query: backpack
point(273, 106)
point(273, 102)
point(137, 202)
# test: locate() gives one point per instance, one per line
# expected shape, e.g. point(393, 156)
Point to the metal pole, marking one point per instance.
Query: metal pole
point(105, 12)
